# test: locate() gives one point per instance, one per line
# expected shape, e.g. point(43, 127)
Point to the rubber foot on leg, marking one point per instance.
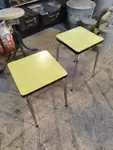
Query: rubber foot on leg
point(71, 90)
point(37, 126)
point(66, 105)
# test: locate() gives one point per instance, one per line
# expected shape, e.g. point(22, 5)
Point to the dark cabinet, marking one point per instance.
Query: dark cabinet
point(2, 3)
point(6, 3)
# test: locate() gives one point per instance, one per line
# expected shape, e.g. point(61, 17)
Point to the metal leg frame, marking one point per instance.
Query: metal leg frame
point(32, 111)
point(14, 54)
point(30, 49)
point(22, 50)
point(75, 71)
point(58, 51)
point(96, 60)
point(75, 57)
point(65, 91)
point(19, 43)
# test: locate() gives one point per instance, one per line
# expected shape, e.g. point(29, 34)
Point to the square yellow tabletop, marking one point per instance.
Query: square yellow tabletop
point(36, 71)
point(79, 39)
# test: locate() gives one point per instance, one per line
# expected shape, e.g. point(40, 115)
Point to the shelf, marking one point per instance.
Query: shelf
point(25, 3)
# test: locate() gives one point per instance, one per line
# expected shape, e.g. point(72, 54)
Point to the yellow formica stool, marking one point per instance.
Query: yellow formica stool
point(78, 40)
point(35, 72)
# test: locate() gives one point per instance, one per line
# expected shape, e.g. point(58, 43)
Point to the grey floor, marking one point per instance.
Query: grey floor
point(87, 124)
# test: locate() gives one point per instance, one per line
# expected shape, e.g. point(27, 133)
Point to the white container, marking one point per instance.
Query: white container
point(107, 33)
point(77, 10)
point(89, 23)
point(102, 5)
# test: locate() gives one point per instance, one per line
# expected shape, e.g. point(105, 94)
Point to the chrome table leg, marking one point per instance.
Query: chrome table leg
point(65, 91)
point(75, 71)
point(58, 51)
point(32, 111)
point(96, 60)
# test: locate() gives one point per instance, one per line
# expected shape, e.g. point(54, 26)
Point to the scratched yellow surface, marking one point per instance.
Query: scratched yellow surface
point(34, 72)
point(79, 38)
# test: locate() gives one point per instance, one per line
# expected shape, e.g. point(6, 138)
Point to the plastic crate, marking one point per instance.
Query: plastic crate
point(50, 15)
point(29, 20)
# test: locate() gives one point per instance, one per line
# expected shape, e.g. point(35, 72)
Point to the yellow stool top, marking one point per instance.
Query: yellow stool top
point(79, 39)
point(36, 71)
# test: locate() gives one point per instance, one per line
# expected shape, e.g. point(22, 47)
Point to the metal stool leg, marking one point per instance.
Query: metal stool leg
point(75, 57)
point(75, 71)
point(58, 51)
point(32, 111)
point(96, 60)
point(20, 41)
point(14, 54)
point(30, 49)
point(22, 50)
point(65, 91)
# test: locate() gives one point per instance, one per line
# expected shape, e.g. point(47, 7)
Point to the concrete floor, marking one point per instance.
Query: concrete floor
point(88, 122)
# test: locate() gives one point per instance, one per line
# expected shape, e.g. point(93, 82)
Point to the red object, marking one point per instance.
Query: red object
point(8, 43)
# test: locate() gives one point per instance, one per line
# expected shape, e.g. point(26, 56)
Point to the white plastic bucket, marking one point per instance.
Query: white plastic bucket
point(77, 10)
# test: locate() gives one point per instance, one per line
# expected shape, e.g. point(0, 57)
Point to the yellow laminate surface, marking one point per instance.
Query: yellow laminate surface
point(79, 39)
point(36, 71)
